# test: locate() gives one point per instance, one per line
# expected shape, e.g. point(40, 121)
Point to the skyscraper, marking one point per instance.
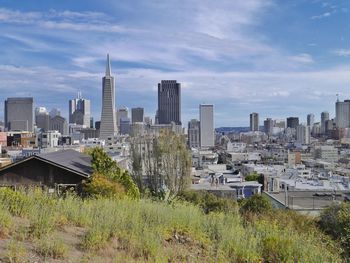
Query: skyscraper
point(193, 133)
point(108, 128)
point(310, 119)
point(136, 115)
point(292, 122)
point(122, 112)
point(303, 134)
point(254, 121)
point(324, 119)
point(169, 102)
point(79, 111)
point(42, 118)
point(206, 117)
point(268, 126)
point(19, 114)
point(342, 114)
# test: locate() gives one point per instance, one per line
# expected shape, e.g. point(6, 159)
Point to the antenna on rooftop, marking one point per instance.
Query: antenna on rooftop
point(337, 97)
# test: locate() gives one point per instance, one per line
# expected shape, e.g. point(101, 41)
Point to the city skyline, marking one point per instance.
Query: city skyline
point(251, 59)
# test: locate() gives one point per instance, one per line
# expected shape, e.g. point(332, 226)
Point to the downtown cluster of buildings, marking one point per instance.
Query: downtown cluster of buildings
point(30, 130)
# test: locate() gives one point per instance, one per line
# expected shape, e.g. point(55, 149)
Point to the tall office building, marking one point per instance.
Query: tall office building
point(169, 102)
point(108, 128)
point(310, 119)
point(254, 121)
point(19, 114)
point(206, 117)
point(79, 111)
point(58, 123)
point(193, 133)
point(55, 112)
point(342, 114)
point(303, 134)
point(136, 115)
point(122, 112)
point(324, 119)
point(268, 126)
point(292, 122)
point(279, 124)
point(42, 118)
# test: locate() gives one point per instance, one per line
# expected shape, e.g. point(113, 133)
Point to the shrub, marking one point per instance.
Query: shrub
point(335, 221)
point(100, 186)
point(257, 204)
point(209, 202)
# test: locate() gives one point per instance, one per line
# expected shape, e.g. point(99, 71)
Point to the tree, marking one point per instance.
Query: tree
point(104, 166)
point(164, 161)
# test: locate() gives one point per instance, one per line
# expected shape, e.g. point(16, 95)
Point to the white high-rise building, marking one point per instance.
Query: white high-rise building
point(303, 134)
point(79, 111)
point(342, 114)
point(206, 116)
point(108, 127)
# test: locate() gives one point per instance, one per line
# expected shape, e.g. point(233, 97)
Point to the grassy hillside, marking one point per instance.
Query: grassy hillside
point(35, 228)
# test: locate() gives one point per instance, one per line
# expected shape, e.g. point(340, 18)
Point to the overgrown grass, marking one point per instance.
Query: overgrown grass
point(51, 247)
point(157, 232)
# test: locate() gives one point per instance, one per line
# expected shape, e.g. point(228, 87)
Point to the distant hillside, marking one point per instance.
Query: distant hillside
point(232, 129)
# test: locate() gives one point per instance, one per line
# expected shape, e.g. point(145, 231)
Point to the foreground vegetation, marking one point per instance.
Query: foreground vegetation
point(35, 227)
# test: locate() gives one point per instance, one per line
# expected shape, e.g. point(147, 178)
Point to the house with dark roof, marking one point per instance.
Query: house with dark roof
point(65, 167)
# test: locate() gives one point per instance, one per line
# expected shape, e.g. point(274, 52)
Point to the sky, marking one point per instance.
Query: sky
point(277, 58)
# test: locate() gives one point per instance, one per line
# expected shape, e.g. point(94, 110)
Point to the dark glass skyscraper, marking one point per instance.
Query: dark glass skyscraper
point(169, 102)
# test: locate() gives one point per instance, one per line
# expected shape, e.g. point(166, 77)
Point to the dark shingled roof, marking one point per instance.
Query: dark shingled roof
point(69, 159)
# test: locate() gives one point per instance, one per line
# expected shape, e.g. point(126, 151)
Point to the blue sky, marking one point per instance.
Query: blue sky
point(278, 58)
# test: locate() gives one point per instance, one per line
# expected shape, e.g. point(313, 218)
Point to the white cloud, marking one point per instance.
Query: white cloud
point(342, 52)
point(302, 58)
point(324, 15)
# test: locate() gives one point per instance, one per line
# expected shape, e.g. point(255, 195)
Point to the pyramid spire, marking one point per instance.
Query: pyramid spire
point(108, 67)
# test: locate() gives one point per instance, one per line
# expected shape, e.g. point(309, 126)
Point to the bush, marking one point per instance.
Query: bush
point(252, 177)
point(257, 204)
point(209, 202)
point(100, 186)
point(335, 221)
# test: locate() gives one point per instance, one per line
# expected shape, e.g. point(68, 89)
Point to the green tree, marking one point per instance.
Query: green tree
point(252, 177)
point(103, 165)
